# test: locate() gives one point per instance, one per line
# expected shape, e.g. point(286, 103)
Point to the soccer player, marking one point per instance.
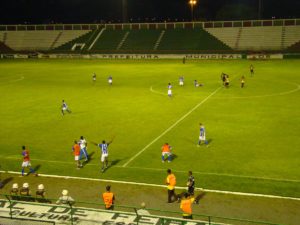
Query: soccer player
point(171, 182)
point(223, 78)
point(64, 107)
point(94, 78)
point(202, 135)
point(169, 90)
point(110, 80)
point(166, 151)
point(251, 70)
point(26, 161)
point(242, 81)
point(76, 151)
point(104, 154)
point(196, 83)
point(227, 81)
point(83, 149)
point(181, 81)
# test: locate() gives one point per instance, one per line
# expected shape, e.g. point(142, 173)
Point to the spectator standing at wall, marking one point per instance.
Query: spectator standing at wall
point(108, 198)
point(142, 210)
point(65, 198)
point(14, 192)
point(186, 206)
point(25, 193)
point(40, 194)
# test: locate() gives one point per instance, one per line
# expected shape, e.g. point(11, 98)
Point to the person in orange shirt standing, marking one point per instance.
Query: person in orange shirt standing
point(186, 206)
point(76, 151)
point(108, 198)
point(166, 151)
point(171, 182)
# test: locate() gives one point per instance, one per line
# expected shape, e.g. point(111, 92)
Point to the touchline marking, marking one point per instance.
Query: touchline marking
point(161, 186)
point(158, 169)
point(216, 174)
point(171, 127)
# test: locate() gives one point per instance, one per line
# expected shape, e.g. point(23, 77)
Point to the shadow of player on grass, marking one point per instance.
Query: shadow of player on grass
point(5, 181)
point(90, 159)
point(36, 168)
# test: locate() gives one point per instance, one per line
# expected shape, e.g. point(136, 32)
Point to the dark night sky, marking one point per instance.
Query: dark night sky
point(90, 11)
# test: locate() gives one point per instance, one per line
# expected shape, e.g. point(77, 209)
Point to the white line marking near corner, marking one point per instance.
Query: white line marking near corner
point(162, 186)
point(171, 127)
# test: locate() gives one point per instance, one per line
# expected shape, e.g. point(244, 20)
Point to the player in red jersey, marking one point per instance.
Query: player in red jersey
point(26, 161)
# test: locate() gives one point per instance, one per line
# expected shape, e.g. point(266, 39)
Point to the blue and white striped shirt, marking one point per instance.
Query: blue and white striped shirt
point(104, 148)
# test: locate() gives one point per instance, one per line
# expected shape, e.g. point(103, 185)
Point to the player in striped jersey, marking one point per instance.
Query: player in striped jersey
point(202, 135)
point(104, 153)
point(64, 107)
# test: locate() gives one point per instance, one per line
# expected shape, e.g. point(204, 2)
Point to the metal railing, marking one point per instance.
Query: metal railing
point(162, 25)
point(94, 213)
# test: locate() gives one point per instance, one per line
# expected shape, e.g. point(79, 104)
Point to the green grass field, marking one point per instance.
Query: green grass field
point(253, 132)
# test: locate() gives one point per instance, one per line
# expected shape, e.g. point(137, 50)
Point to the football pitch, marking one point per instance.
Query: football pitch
point(253, 132)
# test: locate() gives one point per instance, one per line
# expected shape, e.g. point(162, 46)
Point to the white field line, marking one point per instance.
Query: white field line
point(12, 81)
point(217, 174)
point(171, 127)
point(244, 97)
point(161, 186)
point(158, 169)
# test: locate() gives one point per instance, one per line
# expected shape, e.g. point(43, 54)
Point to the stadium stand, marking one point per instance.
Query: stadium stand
point(109, 40)
point(260, 38)
point(190, 39)
point(292, 37)
point(37, 40)
point(228, 35)
point(221, 37)
point(141, 40)
point(68, 40)
point(4, 48)
point(30, 40)
point(67, 36)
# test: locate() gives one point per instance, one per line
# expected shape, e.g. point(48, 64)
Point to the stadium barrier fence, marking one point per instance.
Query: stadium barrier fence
point(159, 25)
point(95, 213)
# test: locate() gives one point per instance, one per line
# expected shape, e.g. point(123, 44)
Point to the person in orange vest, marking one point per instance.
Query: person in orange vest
point(108, 198)
point(166, 151)
point(186, 206)
point(171, 182)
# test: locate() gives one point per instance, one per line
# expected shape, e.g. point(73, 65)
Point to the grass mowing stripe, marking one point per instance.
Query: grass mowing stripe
point(171, 127)
point(177, 171)
point(162, 186)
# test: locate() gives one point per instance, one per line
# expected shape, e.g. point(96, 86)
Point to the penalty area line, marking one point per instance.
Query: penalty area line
point(161, 186)
point(171, 127)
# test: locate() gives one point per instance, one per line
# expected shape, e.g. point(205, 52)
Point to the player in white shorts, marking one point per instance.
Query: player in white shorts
point(104, 153)
point(202, 135)
point(110, 80)
point(169, 90)
point(181, 81)
point(64, 107)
